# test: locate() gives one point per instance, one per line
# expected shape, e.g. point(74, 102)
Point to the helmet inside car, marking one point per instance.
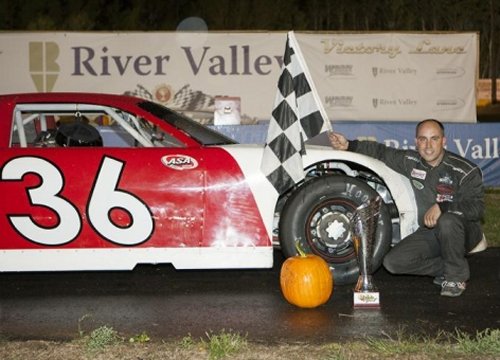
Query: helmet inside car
point(78, 134)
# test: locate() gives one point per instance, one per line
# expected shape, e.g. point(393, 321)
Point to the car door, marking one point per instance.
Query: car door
point(99, 196)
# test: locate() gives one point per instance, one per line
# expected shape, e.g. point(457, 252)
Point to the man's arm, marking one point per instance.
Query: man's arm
point(393, 158)
point(469, 199)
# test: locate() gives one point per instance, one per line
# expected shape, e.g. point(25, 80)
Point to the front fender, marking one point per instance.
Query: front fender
point(398, 185)
point(249, 158)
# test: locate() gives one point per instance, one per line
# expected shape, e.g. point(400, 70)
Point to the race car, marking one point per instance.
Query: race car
point(107, 182)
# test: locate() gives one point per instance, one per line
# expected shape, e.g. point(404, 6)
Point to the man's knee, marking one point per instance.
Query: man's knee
point(450, 223)
point(391, 263)
point(451, 233)
point(447, 220)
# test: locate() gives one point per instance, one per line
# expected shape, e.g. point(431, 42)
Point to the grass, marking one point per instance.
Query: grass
point(224, 344)
point(105, 339)
point(485, 342)
point(229, 345)
point(492, 216)
point(458, 345)
point(101, 338)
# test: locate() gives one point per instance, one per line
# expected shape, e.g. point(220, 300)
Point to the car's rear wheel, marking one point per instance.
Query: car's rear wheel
point(318, 216)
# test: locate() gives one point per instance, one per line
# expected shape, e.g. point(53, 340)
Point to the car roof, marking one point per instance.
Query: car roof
point(70, 97)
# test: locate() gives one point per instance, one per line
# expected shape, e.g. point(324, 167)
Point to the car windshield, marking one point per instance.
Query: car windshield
point(202, 134)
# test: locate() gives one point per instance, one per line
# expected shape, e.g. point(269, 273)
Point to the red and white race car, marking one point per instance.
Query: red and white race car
point(106, 182)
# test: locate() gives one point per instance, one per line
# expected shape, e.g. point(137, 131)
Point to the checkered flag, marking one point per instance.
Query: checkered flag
point(298, 115)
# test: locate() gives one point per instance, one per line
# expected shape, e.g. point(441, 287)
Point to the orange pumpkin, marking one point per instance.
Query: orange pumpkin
point(306, 280)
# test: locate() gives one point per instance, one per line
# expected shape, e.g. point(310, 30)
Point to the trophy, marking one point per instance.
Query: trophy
point(364, 226)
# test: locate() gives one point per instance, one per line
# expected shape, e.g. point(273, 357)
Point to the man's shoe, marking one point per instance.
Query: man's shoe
point(439, 280)
point(452, 288)
point(482, 245)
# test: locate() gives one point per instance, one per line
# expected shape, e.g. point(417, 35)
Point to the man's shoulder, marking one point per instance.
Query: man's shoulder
point(458, 162)
point(410, 155)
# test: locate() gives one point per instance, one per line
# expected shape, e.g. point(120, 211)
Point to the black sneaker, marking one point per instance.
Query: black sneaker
point(452, 288)
point(439, 280)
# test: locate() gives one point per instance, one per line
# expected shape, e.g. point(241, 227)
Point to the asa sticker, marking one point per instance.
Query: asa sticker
point(179, 162)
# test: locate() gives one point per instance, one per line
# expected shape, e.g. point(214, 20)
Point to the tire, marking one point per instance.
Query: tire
point(317, 204)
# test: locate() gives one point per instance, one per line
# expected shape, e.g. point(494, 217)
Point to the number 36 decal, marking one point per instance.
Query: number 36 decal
point(105, 197)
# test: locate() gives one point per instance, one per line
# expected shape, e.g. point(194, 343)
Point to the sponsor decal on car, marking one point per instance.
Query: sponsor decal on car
point(179, 162)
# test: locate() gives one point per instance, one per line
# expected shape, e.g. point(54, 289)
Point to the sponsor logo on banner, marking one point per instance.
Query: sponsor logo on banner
point(449, 104)
point(446, 73)
point(339, 70)
point(378, 102)
point(339, 101)
point(43, 66)
point(394, 71)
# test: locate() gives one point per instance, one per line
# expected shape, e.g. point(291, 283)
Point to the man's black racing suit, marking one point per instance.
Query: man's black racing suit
point(456, 185)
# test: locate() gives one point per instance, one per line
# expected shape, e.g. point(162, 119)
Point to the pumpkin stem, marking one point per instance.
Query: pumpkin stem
point(299, 248)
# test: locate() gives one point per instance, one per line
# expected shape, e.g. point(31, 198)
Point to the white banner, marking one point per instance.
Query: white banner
point(374, 76)
point(395, 76)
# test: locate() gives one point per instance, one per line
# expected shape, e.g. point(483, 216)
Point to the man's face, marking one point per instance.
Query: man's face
point(430, 143)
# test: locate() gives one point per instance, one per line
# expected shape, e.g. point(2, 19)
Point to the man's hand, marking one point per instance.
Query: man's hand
point(432, 215)
point(338, 141)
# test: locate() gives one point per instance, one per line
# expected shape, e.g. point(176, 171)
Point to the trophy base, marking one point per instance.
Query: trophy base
point(370, 299)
